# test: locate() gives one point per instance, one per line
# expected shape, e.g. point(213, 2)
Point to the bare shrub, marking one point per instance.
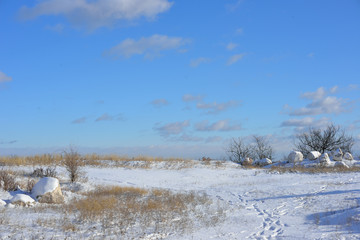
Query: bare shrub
point(73, 163)
point(260, 148)
point(47, 172)
point(30, 184)
point(323, 140)
point(7, 181)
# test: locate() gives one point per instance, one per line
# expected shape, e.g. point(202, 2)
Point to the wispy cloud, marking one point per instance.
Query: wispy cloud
point(231, 46)
point(107, 117)
point(96, 13)
point(239, 31)
point(8, 142)
point(4, 77)
point(159, 102)
point(222, 125)
point(233, 6)
point(235, 58)
point(186, 138)
point(192, 98)
point(311, 55)
point(150, 47)
point(55, 28)
point(321, 103)
point(305, 122)
point(79, 120)
point(214, 108)
point(172, 128)
point(198, 61)
point(213, 139)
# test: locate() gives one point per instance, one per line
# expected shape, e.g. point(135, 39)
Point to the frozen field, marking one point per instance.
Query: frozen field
point(258, 204)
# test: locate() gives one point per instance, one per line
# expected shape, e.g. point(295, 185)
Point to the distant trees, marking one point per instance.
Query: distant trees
point(322, 140)
point(259, 148)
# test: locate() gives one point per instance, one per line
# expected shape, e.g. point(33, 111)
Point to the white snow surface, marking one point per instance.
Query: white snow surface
point(258, 204)
point(22, 198)
point(2, 203)
point(44, 185)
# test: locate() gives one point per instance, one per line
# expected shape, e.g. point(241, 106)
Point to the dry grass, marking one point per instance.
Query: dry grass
point(125, 209)
point(314, 170)
point(7, 181)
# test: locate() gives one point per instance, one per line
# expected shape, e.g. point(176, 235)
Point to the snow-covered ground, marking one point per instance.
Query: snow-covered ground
point(258, 204)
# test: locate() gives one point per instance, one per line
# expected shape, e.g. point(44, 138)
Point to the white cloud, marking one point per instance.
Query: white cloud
point(150, 47)
point(93, 14)
point(159, 102)
point(4, 77)
point(233, 59)
point(192, 98)
point(214, 108)
point(321, 103)
point(198, 61)
point(172, 128)
point(222, 125)
point(231, 46)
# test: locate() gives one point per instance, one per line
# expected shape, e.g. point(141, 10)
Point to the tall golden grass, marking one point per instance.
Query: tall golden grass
point(127, 208)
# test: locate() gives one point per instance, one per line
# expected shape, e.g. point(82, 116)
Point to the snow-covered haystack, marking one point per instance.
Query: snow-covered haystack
point(262, 162)
point(47, 190)
point(337, 155)
point(22, 200)
point(295, 156)
point(313, 155)
point(324, 159)
point(2, 203)
point(348, 156)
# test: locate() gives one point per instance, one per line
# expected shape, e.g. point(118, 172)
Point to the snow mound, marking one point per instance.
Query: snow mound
point(348, 156)
point(22, 199)
point(295, 156)
point(2, 203)
point(324, 159)
point(44, 185)
point(341, 164)
point(262, 162)
point(313, 155)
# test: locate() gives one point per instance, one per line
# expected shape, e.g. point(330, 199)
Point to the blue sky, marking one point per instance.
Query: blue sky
point(174, 78)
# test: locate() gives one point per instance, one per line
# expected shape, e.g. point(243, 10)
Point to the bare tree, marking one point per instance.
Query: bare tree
point(322, 140)
point(262, 148)
point(238, 151)
point(72, 162)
